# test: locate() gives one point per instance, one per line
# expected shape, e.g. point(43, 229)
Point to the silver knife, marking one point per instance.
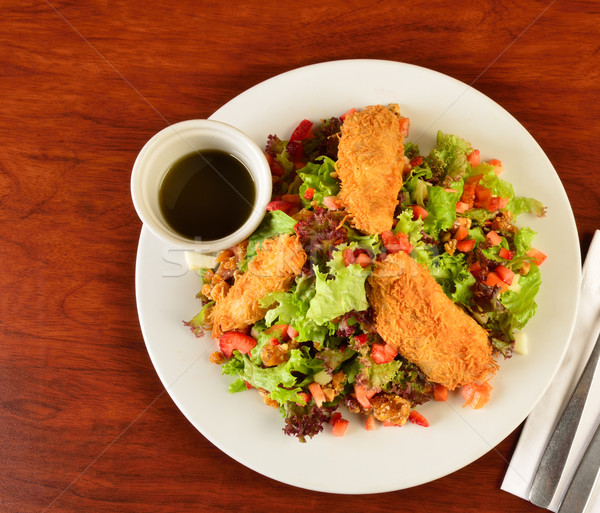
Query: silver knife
point(555, 456)
point(580, 490)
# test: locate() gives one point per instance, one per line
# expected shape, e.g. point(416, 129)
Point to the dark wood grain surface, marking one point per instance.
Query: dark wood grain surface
point(85, 424)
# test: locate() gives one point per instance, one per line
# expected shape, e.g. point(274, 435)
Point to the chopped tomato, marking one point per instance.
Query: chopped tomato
point(281, 327)
point(276, 169)
point(506, 254)
point(347, 113)
point(349, 257)
point(496, 203)
point(370, 423)
point(440, 392)
point(382, 353)
point(305, 397)
point(493, 238)
point(419, 212)
point(335, 417)
point(482, 196)
point(332, 202)
point(248, 385)
point(285, 206)
point(466, 245)
point(462, 207)
point(461, 233)
point(498, 166)
point(395, 243)
point(317, 393)
point(363, 395)
point(309, 193)
point(236, 340)
point(302, 131)
point(493, 280)
point(364, 260)
point(417, 418)
point(537, 255)
point(416, 161)
point(361, 339)
point(474, 158)
point(476, 395)
point(468, 195)
point(475, 267)
point(292, 198)
point(292, 333)
point(339, 427)
point(404, 126)
point(505, 274)
point(273, 341)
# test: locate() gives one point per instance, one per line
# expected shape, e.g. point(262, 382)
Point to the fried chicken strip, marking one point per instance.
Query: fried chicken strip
point(414, 315)
point(273, 269)
point(370, 163)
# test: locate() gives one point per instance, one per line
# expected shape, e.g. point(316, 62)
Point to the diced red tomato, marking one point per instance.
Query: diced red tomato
point(440, 392)
point(282, 328)
point(285, 206)
point(416, 161)
point(482, 196)
point(466, 245)
point(339, 427)
point(361, 339)
point(382, 353)
point(404, 126)
point(476, 395)
point(292, 333)
point(537, 256)
point(496, 203)
point(395, 243)
point(349, 257)
point(309, 193)
point(505, 274)
point(507, 254)
point(335, 417)
point(498, 166)
point(417, 418)
point(462, 207)
point(305, 396)
point(276, 169)
point(493, 238)
point(493, 280)
point(248, 385)
point(236, 340)
point(474, 158)
point(419, 212)
point(370, 423)
point(468, 195)
point(475, 267)
point(363, 395)
point(332, 202)
point(302, 131)
point(273, 341)
point(317, 393)
point(347, 113)
point(292, 198)
point(363, 260)
point(461, 233)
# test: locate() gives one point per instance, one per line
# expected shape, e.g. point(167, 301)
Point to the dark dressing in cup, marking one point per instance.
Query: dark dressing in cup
point(207, 195)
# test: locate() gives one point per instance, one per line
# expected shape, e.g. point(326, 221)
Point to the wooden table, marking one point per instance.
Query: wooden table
point(85, 423)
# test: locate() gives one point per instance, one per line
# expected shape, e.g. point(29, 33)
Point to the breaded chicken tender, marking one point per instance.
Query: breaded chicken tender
point(273, 269)
point(414, 315)
point(370, 163)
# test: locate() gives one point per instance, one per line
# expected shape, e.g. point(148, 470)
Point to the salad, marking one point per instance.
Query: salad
point(315, 352)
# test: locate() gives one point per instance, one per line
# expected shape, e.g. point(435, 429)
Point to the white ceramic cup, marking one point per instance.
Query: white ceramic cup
point(178, 140)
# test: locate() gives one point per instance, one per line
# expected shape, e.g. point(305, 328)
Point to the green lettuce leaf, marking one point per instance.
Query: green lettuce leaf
point(318, 176)
point(521, 304)
point(448, 160)
point(441, 206)
point(339, 291)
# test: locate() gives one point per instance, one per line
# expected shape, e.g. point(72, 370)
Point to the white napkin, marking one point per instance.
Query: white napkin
point(541, 422)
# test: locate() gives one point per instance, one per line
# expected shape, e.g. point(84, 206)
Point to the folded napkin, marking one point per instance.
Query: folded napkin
point(542, 420)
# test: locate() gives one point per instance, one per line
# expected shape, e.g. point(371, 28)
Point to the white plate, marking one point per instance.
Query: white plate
point(388, 458)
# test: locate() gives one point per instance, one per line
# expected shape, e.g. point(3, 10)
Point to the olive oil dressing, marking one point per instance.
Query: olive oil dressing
point(207, 195)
